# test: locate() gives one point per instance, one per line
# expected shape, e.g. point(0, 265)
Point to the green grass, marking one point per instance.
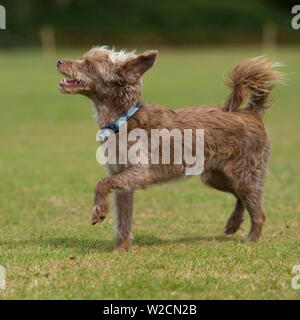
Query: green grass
point(48, 170)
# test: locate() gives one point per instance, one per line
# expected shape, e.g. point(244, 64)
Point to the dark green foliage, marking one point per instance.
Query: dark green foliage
point(167, 22)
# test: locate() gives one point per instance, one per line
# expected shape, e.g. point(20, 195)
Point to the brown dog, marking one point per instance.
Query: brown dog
point(236, 147)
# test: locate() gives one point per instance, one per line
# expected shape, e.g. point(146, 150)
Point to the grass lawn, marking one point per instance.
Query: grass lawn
point(48, 171)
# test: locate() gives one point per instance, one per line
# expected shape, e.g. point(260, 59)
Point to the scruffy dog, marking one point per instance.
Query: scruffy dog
point(236, 147)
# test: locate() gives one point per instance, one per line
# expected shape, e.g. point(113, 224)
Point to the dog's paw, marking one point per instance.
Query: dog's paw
point(232, 227)
point(123, 244)
point(230, 230)
point(99, 212)
point(252, 237)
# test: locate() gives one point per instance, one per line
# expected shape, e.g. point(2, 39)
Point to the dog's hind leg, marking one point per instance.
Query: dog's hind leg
point(252, 202)
point(124, 215)
point(218, 180)
point(250, 193)
point(236, 218)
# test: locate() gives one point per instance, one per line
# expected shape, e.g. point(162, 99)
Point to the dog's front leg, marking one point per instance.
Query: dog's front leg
point(130, 179)
point(101, 203)
point(124, 217)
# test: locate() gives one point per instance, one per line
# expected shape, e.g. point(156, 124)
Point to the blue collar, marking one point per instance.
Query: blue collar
point(115, 126)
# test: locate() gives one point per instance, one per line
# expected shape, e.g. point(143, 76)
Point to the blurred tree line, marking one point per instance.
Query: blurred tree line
point(164, 22)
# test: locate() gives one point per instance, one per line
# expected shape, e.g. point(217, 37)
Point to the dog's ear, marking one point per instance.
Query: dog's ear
point(134, 68)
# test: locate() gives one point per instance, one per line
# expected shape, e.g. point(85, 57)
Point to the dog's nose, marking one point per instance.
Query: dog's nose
point(59, 62)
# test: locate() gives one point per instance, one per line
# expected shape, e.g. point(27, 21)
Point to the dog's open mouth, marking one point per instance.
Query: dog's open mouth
point(72, 83)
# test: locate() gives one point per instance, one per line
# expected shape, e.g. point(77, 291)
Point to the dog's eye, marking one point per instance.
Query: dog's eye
point(87, 64)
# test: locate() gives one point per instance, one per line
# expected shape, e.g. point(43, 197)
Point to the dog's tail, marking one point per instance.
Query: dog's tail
point(254, 79)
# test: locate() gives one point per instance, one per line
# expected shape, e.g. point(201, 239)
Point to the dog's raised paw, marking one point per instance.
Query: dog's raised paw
point(99, 214)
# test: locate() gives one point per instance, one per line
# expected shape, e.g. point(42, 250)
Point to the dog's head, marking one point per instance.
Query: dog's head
point(101, 70)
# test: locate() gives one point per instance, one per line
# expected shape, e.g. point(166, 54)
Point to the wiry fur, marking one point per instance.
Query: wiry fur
point(236, 145)
point(254, 77)
point(116, 56)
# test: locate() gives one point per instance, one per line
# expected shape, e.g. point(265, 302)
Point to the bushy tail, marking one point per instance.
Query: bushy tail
point(253, 79)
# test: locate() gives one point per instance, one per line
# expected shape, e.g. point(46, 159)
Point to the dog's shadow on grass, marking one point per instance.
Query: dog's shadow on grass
point(86, 246)
point(78, 246)
point(142, 240)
